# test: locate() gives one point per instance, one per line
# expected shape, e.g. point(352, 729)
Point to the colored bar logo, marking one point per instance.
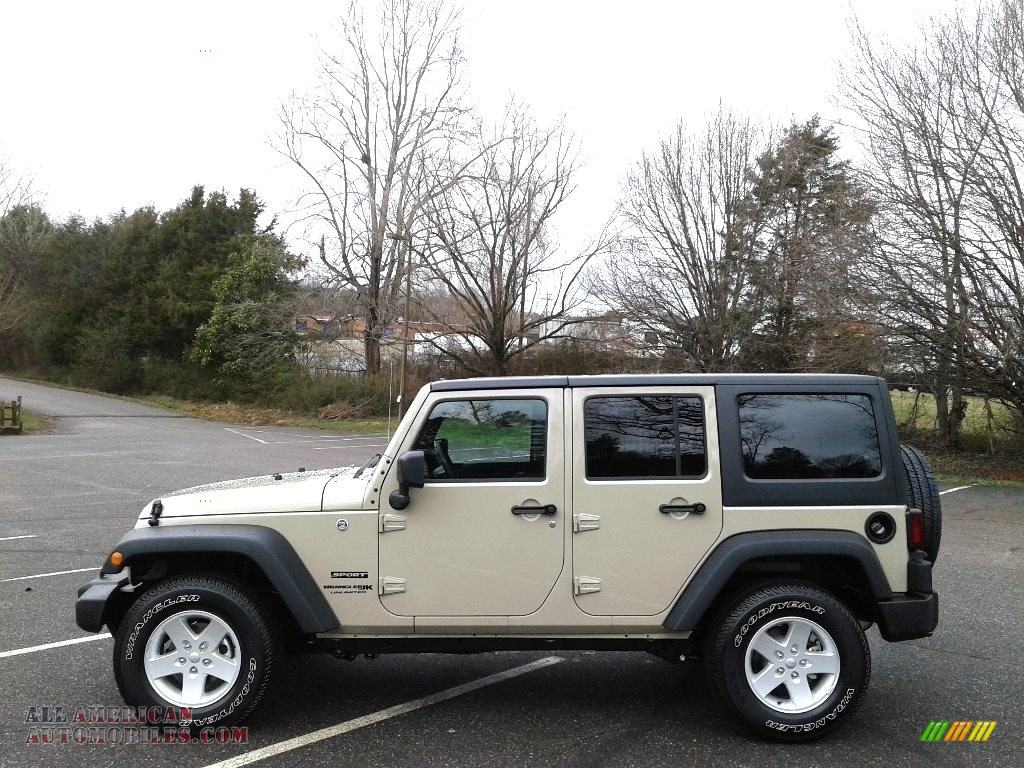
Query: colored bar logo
point(959, 730)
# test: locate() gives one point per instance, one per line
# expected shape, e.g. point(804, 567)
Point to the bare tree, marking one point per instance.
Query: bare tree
point(683, 269)
point(15, 187)
point(488, 244)
point(946, 148)
point(994, 76)
point(387, 104)
point(15, 301)
point(23, 229)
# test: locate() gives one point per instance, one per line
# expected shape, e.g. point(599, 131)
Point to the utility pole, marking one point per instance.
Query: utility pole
point(407, 242)
point(404, 335)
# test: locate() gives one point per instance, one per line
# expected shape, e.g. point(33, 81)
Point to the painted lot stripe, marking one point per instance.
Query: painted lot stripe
point(27, 536)
point(251, 434)
point(953, 490)
point(340, 447)
point(322, 436)
point(353, 441)
point(46, 646)
point(288, 745)
point(242, 434)
point(54, 573)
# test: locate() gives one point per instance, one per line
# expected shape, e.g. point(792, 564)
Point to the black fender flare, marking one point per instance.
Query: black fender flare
point(736, 551)
point(266, 548)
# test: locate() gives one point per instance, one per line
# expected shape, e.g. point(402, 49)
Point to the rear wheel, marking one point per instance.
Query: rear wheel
point(790, 660)
point(923, 494)
point(198, 644)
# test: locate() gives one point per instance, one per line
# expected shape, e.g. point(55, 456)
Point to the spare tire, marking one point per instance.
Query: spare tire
point(923, 494)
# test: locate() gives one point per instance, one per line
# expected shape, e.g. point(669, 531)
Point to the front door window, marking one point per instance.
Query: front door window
point(481, 440)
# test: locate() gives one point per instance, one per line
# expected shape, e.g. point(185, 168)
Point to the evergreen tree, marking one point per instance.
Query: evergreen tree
point(248, 338)
point(809, 223)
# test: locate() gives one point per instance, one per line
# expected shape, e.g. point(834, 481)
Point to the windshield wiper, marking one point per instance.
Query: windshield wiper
point(370, 464)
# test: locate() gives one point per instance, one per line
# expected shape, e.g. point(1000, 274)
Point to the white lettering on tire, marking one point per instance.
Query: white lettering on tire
point(234, 702)
point(129, 648)
point(814, 724)
point(756, 617)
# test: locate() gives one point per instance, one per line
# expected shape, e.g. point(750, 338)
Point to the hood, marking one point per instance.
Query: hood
point(287, 492)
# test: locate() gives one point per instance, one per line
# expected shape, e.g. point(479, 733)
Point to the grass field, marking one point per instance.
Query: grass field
point(465, 434)
point(986, 427)
point(993, 452)
point(236, 413)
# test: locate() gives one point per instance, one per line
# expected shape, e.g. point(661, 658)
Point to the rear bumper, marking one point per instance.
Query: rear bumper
point(915, 614)
point(908, 617)
point(94, 599)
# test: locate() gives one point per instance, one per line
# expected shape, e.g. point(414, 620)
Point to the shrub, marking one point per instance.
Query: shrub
point(102, 361)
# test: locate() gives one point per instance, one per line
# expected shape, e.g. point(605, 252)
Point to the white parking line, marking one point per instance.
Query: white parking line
point(958, 488)
point(236, 432)
point(358, 439)
point(321, 436)
point(339, 447)
point(328, 440)
point(34, 648)
point(12, 538)
point(361, 722)
point(54, 573)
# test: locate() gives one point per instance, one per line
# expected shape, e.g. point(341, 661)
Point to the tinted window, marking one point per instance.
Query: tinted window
point(485, 440)
point(648, 437)
point(808, 436)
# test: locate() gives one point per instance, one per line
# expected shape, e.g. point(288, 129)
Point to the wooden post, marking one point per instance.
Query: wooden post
point(13, 422)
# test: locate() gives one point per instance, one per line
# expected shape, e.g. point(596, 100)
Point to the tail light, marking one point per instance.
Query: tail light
point(915, 529)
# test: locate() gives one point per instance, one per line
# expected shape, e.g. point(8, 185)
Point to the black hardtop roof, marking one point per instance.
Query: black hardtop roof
point(657, 380)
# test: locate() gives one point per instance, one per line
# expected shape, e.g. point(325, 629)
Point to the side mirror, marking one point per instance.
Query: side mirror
point(412, 471)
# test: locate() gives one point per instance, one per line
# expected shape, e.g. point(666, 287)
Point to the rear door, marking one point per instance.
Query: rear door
point(647, 494)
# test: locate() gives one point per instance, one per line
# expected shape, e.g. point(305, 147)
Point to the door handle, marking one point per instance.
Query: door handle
point(668, 509)
point(546, 509)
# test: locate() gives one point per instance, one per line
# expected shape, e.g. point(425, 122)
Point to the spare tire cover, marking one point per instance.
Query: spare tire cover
point(923, 494)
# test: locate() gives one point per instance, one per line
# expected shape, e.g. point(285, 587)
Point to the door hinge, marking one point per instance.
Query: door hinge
point(583, 585)
point(389, 522)
point(582, 521)
point(389, 585)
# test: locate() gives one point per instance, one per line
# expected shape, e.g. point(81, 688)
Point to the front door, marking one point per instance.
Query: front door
point(647, 495)
point(484, 536)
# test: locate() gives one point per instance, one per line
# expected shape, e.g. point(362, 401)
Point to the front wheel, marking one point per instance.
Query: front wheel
point(790, 660)
point(197, 644)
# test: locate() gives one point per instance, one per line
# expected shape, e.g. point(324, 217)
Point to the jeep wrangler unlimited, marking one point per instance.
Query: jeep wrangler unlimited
point(759, 523)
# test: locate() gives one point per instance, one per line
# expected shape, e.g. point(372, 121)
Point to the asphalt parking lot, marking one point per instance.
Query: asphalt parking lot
point(67, 495)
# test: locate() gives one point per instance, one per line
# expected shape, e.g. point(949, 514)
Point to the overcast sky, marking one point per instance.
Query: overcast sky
point(117, 105)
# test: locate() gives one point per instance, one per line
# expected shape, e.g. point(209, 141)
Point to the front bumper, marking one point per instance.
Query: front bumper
point(94, 598)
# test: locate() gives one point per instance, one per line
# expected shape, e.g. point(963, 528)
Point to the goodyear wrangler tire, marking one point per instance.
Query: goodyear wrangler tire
point(923, 494)
point(763, 647)
point(198, 644)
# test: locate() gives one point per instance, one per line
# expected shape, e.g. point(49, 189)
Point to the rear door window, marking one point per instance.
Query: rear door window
point(644, 437)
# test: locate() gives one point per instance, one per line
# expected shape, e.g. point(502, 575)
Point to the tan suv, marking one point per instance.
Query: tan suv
point(756, 522)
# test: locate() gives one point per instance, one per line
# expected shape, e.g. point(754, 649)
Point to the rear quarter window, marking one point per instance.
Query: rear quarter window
point(804, 437)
